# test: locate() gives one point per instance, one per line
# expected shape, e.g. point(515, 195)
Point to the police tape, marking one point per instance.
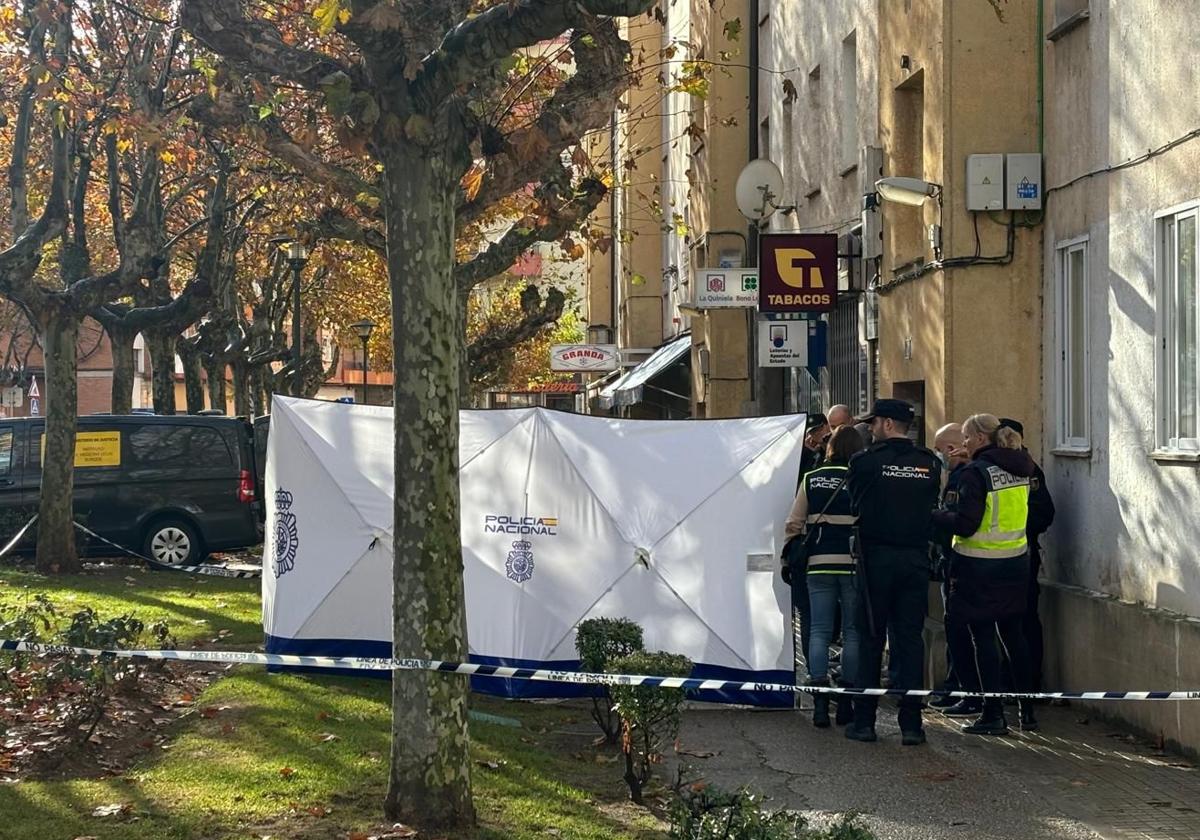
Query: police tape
point(19, 536)
point(212, 571)
point(363, 663)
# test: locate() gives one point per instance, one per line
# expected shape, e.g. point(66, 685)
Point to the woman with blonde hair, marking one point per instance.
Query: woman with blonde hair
point(990, 565)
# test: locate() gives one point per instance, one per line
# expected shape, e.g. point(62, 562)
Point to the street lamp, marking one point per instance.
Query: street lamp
point(363, 329)
point(910, 191)
point(297, 256)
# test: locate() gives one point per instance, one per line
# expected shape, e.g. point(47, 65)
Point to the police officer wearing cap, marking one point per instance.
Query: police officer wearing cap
point(894, 486)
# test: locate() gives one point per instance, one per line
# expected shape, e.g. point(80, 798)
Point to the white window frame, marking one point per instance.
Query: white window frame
point(1166, 357)
point(1063, 251)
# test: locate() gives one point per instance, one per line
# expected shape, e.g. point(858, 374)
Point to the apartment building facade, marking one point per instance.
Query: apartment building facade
point(1120, 372)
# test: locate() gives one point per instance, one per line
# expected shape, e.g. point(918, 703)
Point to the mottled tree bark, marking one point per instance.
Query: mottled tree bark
point(241, 390)
point(56, 550)
point(124, 369)
point(162, 360)
point(193, 382)
point(429, 781)
point(216, 383)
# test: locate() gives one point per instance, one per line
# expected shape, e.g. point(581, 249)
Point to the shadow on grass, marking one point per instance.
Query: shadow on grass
point(270, 752)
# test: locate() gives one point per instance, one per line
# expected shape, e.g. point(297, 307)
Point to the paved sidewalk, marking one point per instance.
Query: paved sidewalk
point(1074, 779)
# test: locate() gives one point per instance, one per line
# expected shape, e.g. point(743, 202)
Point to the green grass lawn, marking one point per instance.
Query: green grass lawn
point(198, 608)
point(299, 756)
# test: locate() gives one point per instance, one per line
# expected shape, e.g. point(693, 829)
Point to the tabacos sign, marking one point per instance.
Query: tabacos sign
point(797, 272)
point(584, 357)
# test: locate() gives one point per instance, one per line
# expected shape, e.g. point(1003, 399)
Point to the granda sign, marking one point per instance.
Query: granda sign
point(797, 272)
point(587, 358)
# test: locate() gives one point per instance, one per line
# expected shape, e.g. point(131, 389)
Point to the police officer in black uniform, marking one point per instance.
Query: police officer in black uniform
point(1041, 516)
point(894, 486)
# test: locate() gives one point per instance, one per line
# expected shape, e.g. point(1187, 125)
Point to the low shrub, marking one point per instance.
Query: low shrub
point(598, 641)
point(649, 715)
point(706, 812)
point(79, 687)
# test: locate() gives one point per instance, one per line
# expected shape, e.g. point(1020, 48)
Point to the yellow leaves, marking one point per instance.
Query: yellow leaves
point(123, 145)
point(328, 14)
point(166, 157)
point(472, 181)
point(367, 200)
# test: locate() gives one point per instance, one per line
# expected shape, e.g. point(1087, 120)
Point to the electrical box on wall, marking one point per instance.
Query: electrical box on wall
point(1024, 182)
point(985, 182)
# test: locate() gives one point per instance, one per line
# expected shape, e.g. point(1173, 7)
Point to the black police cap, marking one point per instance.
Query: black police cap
point(893, 409)
point(1015, 425)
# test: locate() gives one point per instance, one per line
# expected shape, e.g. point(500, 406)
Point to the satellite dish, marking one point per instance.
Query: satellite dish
point(759, 190)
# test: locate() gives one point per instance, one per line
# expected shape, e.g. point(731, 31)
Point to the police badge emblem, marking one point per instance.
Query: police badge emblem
point(287, 539)
point(519, 566)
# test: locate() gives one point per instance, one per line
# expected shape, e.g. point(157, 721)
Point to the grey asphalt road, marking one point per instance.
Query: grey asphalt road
point(1077, 779)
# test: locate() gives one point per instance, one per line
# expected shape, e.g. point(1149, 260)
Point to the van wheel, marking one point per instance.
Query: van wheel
point(173, 542)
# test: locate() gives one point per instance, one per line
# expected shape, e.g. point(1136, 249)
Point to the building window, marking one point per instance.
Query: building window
point(1178, 394)
point(1071, 344)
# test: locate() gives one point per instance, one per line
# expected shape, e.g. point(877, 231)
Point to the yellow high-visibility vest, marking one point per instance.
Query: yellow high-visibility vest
point(1001, 533)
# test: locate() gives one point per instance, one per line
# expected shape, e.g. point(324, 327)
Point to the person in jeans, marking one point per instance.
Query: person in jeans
point(820, 521)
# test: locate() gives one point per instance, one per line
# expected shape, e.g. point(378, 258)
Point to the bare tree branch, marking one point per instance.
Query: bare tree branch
point(562, 218)
point(254, 44)
point(479, 43)
point(583, 104)
point(486, 351)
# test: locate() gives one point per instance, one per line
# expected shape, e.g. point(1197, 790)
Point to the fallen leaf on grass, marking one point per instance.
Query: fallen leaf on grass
point(398, 831)
point(113, 810)
point(320, 811)
point(286, 772)
point(227, 729)
point(491, 765)
point(324, 737)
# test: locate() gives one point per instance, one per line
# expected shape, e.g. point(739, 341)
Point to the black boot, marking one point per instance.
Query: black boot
point(821, 711)
point(966, 707)
point(820, 704)
point(1028, 720)
point(991, 722)
point(845, 708)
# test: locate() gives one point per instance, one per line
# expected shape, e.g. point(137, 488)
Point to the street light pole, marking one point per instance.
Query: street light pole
point(364, 328)
point(297, 254)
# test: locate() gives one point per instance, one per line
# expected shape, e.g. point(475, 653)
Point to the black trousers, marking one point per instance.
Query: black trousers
point(975, 643)
point(1032, 625)
point(894, 600)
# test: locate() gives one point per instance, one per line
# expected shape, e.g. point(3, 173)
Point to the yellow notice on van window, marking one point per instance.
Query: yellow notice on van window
point(94, 449)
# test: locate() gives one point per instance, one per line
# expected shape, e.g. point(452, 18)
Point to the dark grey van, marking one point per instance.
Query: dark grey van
point(169, 488)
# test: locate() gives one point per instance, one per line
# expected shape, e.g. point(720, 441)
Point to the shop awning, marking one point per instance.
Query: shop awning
point(629, 388)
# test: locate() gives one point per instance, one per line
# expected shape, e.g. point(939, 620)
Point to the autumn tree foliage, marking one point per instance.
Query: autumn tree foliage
point(421, 117)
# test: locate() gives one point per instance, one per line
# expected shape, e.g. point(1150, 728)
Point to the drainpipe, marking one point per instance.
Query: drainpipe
point(752, 237)
point(614, 197)
point(1041, 91)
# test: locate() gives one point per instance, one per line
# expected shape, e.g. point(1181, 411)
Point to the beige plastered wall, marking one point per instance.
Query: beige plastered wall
point(971, 334)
